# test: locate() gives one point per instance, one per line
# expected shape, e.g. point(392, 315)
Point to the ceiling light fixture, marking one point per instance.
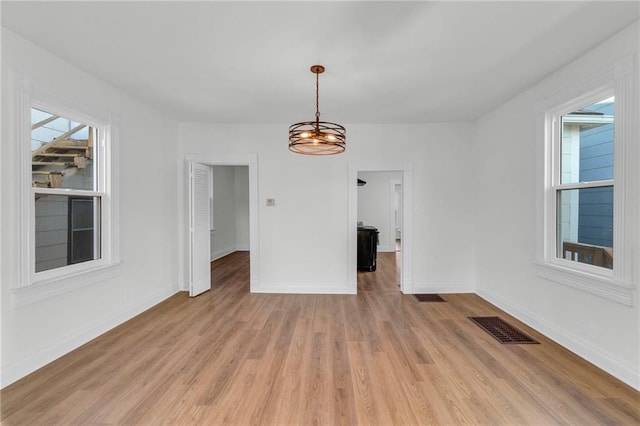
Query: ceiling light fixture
point(317, 137)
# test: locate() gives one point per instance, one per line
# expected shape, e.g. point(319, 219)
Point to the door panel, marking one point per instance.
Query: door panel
point(200, 245)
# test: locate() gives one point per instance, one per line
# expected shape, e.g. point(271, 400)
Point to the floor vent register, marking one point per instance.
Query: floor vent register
point(502, 331)
point(429, 298)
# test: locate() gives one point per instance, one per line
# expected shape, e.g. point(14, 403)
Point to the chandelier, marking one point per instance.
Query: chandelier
point(317, 137)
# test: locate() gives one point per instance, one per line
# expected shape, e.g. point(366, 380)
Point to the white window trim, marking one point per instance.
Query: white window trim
point(617, 285)
point(28, 286)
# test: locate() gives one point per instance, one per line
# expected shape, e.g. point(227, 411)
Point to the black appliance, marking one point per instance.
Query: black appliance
point(367, 248)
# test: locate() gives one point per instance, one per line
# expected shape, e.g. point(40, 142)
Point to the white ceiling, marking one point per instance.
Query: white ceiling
point(387, 62)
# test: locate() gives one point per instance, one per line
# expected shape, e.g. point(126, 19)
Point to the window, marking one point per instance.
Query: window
point(65, 214)
point(586, 187)
point(584, 184)
point(67, 191)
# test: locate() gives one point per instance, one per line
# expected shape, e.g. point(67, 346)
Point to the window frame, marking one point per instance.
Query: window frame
point(29, 286)
point(619, 81)
point(554, 118)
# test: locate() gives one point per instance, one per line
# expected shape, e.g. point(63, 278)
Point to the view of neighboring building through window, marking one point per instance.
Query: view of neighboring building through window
point(65, 191)
point(584, 192)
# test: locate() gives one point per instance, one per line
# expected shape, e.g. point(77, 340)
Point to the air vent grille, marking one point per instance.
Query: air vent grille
point(502, 331)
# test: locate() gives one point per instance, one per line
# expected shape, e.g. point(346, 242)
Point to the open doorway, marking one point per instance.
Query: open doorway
point(379, 230)
point(392, 215)
point(229, 218)
point(244, 167)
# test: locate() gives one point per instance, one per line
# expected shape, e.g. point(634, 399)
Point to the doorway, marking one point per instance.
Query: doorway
point(248, 162)
point(378, 209)
point(399, 191)
point(229, 217)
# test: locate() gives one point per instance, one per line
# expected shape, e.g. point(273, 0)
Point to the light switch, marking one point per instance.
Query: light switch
point(271, 202)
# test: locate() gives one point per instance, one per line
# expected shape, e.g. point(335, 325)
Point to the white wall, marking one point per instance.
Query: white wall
point(223, 241)
point(604, 332)
point(303, 239)
point(241, 186)
point(230, 193)
point(37, 333)
point(376, 206)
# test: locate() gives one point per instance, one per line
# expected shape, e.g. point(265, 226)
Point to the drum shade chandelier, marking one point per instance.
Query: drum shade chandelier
point(317, 137)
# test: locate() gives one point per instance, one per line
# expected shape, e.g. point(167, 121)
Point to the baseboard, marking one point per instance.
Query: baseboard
point(421, 288)
point(222, 253)
point(575, 344)
point(386, 249)
point(341, 288)
point(28, 365)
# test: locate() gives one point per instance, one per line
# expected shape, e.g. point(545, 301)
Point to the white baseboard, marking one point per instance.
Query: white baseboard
point(340, 288)
point(18, 370)
point(222, 253)
point(617, 368)
point(421, 288)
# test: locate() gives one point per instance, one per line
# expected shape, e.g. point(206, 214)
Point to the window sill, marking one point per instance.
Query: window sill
point(607, 288)
point(43, 290)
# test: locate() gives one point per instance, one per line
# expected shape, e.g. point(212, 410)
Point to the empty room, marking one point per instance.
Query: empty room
point(309, 212)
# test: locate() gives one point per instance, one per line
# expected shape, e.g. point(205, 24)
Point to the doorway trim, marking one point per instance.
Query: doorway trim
point(406, 168)
point(251, 161)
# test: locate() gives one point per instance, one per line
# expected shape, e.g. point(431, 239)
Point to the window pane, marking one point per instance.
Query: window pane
point(61, 152)
point(67, 230)
point(585, 225)
point(587, 143)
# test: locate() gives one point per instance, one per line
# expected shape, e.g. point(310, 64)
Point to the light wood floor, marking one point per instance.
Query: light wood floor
point(386, 277)
point(231, 357)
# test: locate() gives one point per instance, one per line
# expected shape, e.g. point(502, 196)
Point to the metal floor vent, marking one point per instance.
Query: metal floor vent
point(502, 331)
point(429, 298)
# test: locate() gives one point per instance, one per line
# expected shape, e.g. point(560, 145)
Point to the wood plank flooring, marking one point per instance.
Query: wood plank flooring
point(386, 277)
point(379, 358)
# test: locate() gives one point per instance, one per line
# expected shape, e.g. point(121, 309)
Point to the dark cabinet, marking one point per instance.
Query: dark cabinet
point(367, 248)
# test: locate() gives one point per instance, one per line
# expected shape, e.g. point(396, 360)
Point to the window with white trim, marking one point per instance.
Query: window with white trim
point(583, 184)
point(66, 214)
point(587, 190)
point(67, 191)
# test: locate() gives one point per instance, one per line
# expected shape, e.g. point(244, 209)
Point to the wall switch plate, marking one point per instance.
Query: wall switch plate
point(271, 202)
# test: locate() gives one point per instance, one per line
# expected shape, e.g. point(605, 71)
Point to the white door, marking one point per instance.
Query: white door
point(199, 235)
